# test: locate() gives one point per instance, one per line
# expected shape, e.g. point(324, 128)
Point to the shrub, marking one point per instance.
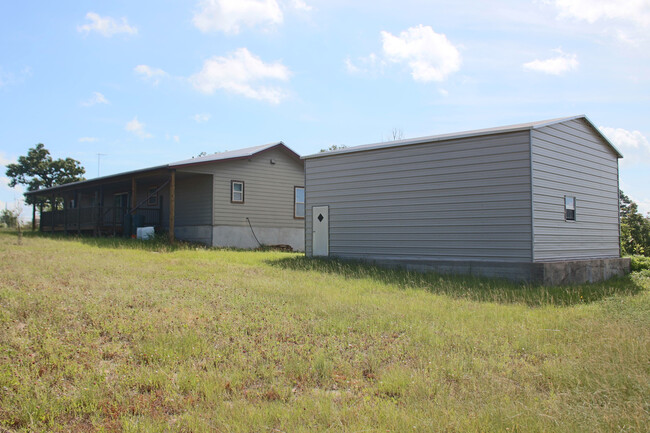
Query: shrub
point(639, 263)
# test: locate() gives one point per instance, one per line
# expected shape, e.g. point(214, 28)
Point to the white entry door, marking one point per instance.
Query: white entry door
point(320, 231)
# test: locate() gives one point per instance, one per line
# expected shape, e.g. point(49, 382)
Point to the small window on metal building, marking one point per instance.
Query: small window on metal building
point(236, 191)
point(569, 208)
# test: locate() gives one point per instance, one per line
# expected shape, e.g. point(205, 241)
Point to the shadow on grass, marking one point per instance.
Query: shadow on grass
point(466, 287)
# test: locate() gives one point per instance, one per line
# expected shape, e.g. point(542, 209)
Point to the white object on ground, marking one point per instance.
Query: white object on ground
point(145, 233)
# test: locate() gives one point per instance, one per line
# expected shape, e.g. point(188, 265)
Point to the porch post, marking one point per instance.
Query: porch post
point(134, 202)
point(78, 203)
point(97, 213)
point(40, 211)
point(53, 206)
point(34, 217)
point(172, 205)
point(65, 218)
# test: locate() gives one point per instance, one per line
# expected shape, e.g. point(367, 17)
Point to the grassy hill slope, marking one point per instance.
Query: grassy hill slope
point(103, 335)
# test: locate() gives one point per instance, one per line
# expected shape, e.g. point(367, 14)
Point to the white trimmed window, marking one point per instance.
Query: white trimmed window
point(569, 208)
point(298, 201)
point(236, 191)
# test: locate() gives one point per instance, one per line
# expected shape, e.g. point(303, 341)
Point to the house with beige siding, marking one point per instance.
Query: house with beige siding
point(535, 202)
point(243, 198)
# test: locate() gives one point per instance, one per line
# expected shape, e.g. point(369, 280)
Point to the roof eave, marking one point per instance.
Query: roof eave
point(95, 180)
point(279, 144)
point(421, 140)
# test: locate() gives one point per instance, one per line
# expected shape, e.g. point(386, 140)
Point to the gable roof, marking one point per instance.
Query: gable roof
point(465, 134)
point(245, 153)
point(231, 155)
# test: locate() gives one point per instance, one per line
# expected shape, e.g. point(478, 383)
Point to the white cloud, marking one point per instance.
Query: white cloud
point(300, 5)
point(201, 117)
point(430, 55)
point(106, 26)
point(10, 79)
point(137, 128)
point(87, 139)
point(229, 16)
point(176, 138)
point(4, 160)
point(96, 98)
point(591, 11)
point(152, 74)
point(370, 64)
point(624, 140)
point(558, 65)
point(4, 185)
point(242, 73)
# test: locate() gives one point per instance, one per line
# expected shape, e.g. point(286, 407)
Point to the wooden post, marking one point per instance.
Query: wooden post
point(77, 202)
point(65, 218)
point(40, 211)
point(172, 205)
point(33, 217)
point(53, 206)
point(98, 213)
point(134, 197)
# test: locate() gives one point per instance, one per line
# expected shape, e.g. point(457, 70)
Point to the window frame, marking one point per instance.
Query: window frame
point(232, 191)
point(567, 209)
point(295, 202)
point(152, 196)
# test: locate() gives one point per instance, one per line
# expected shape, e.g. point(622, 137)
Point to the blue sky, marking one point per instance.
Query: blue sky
point(151, 82)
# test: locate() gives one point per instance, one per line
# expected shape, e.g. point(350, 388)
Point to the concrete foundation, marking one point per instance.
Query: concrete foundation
point(546, 273)
point(242, 237)
point(583, 271)
point(201, 234)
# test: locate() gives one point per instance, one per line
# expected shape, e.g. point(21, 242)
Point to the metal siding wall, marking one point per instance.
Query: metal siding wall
point(466, 199)
point(571, 159)
point(193, 200)
point(268, 190)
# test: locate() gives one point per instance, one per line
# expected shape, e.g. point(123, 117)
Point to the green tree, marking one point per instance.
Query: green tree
point(9, 218)
point(334, 147)
point(635, 228)
point(37, 170)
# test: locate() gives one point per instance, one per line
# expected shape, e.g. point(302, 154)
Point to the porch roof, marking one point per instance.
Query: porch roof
point(247, 152)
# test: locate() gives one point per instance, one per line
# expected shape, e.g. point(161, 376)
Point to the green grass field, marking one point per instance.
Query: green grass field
point(109, 336)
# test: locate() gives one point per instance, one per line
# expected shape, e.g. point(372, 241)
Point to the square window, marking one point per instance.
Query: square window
point(298, 201)
point(569, 208)
point(236, 191)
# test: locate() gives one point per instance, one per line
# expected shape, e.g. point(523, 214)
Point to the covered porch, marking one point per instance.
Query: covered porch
point(111, 205)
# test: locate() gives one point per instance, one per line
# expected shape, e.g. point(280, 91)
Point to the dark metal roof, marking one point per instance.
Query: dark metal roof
point(247, 152)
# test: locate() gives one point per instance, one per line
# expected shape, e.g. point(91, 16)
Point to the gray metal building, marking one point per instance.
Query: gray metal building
point(535, 202)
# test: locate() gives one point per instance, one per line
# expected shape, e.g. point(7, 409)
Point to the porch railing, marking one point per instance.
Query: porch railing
point(103, 218)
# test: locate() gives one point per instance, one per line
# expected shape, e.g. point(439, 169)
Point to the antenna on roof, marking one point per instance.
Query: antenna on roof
point(98, 156)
